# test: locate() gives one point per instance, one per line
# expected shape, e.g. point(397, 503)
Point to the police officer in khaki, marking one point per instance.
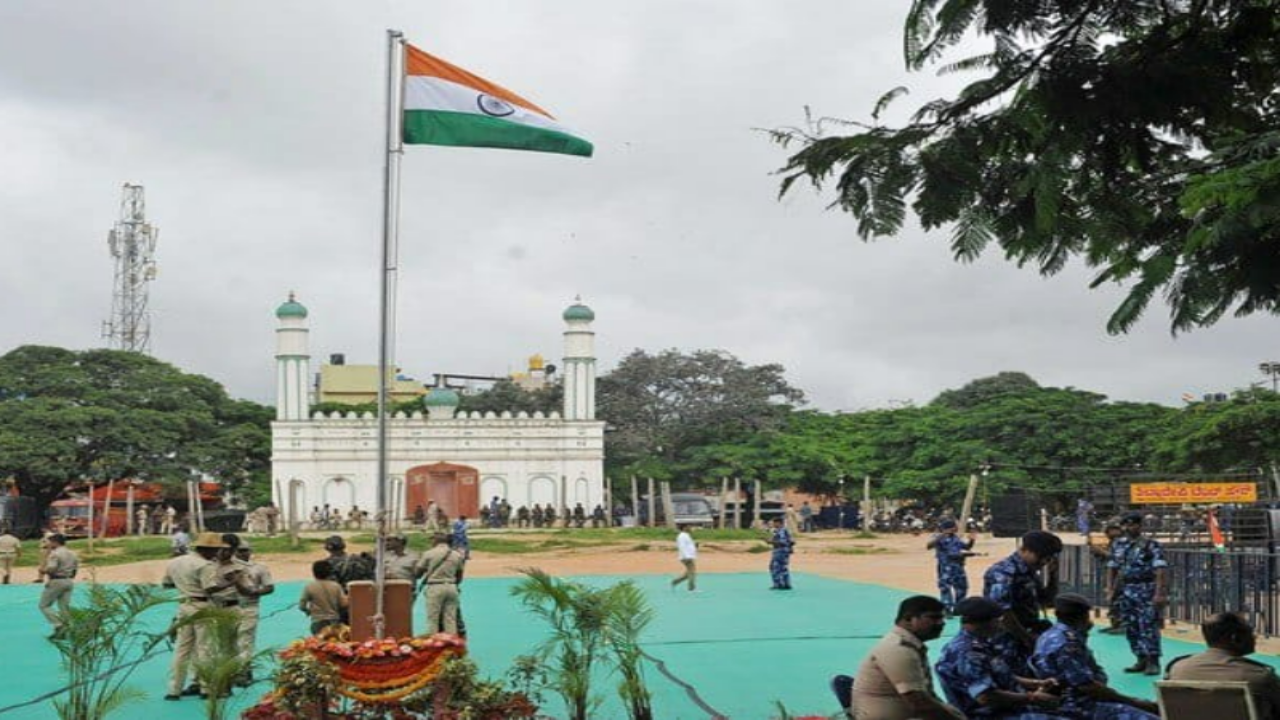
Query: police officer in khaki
point(183, 573)
point(10, 551)
point(258, 583)
point(894, 681)
point(1230, 638)
point(60, 568)
point(441, 568)
point(398, 564)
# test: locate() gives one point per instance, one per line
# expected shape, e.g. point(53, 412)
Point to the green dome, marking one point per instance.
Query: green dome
point(578, 311)
point(291, 308)
point(441, 397)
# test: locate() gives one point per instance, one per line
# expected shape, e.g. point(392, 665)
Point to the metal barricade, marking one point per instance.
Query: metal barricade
point(1201, 582)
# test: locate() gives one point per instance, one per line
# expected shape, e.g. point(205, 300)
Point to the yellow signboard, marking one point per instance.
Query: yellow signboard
point(1180, 493)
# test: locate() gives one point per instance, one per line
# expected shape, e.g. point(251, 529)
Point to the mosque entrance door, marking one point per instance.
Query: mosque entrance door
point(455, 488)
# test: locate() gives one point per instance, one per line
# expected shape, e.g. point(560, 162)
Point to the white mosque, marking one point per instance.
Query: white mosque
point(458, 460)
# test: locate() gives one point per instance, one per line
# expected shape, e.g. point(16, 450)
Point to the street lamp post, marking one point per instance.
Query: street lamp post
point(1271, 369)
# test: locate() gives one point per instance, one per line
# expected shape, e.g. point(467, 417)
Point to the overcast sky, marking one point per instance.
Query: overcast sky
point(256, 128)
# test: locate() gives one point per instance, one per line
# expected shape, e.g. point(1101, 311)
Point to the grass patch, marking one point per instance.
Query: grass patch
point(865, 535)
point(757, 549)
point(125, 550)
point(642, 547)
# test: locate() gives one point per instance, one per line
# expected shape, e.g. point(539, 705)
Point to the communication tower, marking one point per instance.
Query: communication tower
point(133, 245)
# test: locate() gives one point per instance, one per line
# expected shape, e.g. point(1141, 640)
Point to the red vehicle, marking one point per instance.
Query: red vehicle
point(70, 515)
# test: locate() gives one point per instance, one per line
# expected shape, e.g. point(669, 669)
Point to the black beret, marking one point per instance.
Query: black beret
point(1132, 517)
point(947, 524)
point(978, 609)
point(335, 542)
point(1042, 543)
point(1071, 603)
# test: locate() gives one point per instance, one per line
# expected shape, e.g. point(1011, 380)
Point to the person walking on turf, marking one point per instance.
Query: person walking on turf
point(60, 569)
point(780, 558)
point(10, 551)
point(687, 551)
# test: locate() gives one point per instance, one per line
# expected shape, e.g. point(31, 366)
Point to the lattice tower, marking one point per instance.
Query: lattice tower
point(133, 245)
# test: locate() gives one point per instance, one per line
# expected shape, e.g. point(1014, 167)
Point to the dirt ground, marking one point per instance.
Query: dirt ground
point(898, 561)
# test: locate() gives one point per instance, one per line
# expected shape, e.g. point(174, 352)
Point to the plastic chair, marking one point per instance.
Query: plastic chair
point(1196, 700)
point(842, 686)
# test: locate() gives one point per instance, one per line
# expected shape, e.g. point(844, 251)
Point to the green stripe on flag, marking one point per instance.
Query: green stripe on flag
point(435, 127)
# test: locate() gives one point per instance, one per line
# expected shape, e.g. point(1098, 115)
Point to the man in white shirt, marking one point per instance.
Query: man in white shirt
point(687, 551)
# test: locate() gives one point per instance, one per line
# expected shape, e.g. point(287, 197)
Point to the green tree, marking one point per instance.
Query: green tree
point(505, 395)
point(660, 407)
point(1142, 137)
point(1241, 435)
point(984, 389)
point(99, 415)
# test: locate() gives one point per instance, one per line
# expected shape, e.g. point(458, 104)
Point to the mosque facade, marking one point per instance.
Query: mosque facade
point(459, 460)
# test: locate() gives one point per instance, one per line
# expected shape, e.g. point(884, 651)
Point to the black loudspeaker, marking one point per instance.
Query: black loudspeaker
point(1012, 515)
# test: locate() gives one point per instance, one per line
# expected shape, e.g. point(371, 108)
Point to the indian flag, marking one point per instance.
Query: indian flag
point(446, 105)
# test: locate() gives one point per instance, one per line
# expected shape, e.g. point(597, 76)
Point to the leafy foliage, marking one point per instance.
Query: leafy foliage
point(506, 395)
point(659, 407)
point(99, 643)
point(1141, 137)
point(100, 415)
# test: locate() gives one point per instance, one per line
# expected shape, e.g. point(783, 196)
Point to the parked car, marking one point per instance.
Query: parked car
point(690, 509)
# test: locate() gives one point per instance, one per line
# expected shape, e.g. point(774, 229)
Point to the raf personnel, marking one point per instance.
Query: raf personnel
point(258, 583)
point(1062, 654)
point(1022, 584)
point(1137, 578)
point(1102, 551)
point(60, 568)
point(780, 559)
point(977, 680)
point(347, 567)
point(441, 569)
point(950, 552)
point(894, 682)
point(183, 573)
point(1230, 638)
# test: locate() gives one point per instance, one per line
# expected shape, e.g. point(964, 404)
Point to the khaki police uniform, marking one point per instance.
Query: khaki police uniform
point(1215, 665)
point(401, 567)
point(897, 665)
point(60, 569)
point(258, 577)
point(10, 547)
point(183, 573)
point(441, 566)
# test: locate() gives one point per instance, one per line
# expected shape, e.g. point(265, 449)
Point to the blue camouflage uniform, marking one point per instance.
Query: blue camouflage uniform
point(458, 538)
point(780, 560)
point(953, 584)
point(1136, 562)
point(1083, 510)
point(1062, 653)
point(968, 667)
point(1013, 584)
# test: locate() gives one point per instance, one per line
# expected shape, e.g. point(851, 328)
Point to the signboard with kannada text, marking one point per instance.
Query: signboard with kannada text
point(1183, 493)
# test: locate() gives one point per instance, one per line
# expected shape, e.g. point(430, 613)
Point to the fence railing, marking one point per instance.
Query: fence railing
point(1201, 582)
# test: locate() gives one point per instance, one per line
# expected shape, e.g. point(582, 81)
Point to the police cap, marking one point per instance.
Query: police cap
point(947, 524)
point(335, 542)
point(1131, 518)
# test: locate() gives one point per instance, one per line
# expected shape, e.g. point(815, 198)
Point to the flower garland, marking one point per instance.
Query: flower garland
point(381, 671)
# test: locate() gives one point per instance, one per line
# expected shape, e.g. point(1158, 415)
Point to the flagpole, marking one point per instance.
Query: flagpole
point(386, 305)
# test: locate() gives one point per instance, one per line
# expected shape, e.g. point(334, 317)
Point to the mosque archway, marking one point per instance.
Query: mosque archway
point(339, 493)
point(454, 488)
point(542, 491)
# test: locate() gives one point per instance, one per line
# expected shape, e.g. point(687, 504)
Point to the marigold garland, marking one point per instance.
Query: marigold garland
point(382, 671)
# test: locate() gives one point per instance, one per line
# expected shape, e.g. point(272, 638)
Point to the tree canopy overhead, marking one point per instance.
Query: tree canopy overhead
point(1140, 136)
point(98, 415)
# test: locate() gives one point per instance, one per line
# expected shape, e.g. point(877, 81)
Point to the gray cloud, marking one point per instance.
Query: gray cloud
point(256, 128)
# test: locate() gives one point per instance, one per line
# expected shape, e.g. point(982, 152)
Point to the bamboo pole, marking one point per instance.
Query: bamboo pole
point(608, 502)
point(724, 501)
point(635, 501)
point(737, 503)
point(128, 510)
point(757, 521)
point(667, 506)
point(962, 522)
point(106, 507)
point(653, 519)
